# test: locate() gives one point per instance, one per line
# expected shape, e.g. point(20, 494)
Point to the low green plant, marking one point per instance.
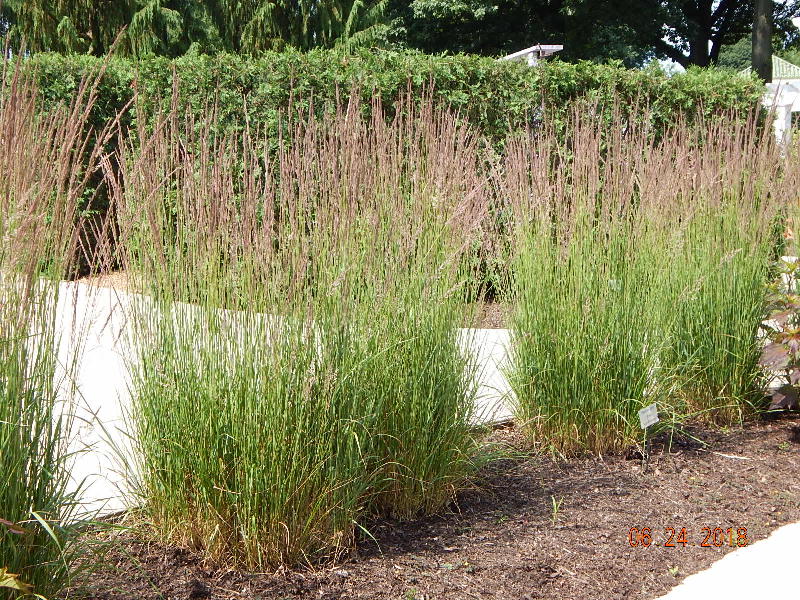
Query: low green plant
point(11, 581)
point(781, 352)
point(555, 509)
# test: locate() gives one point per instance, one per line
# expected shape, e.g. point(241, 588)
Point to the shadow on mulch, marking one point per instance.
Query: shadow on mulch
point(530, 528)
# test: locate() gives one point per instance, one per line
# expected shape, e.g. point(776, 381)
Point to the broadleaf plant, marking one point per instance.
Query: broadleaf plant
point(781, 353)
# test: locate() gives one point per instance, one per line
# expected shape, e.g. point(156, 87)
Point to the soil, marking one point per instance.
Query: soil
point(493, 315)
point(112, 279)
point(532, 527)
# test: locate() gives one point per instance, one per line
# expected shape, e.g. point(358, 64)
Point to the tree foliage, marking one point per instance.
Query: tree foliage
point(736, 56)
point(253, 26)
point(71, 26)
point(689, 32)
point(694, 32)
point(175, 27)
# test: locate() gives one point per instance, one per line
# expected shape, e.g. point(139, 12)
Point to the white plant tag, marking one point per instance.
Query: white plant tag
point(648, 416)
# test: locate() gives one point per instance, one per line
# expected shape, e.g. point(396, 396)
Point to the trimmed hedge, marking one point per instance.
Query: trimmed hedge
point(497, 97)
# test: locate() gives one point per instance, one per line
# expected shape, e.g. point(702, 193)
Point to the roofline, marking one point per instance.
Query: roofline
point(778, 60)
point(552, 48)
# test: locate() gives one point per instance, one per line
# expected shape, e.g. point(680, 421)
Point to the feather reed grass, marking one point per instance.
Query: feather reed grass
point(639, 275)
point(45, 159)
point(733, 188)
point(296, 366)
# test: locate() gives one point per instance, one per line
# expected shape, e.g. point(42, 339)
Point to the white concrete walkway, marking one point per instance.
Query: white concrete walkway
point(765, 569)
point(94, 318)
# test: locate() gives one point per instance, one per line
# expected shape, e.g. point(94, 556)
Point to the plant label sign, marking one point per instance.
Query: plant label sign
point(648, 416)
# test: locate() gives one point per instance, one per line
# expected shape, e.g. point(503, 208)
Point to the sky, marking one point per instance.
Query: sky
point(673, 67)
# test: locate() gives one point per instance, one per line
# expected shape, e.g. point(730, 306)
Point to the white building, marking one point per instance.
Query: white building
point(783, 96)
point(534, 54)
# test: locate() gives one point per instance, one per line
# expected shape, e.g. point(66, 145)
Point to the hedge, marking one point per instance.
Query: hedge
point(497, 97)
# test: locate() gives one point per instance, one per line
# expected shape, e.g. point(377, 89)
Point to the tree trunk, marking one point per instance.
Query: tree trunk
point(762, 40)
point(98, 49)
point(698, 51)
point(699, 17)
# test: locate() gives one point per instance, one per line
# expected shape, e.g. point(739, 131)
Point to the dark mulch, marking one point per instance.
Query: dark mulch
point(493, 315)
point(503, 539)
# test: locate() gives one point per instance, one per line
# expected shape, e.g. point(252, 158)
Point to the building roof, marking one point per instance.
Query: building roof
point(537, 51)
point(781, 69)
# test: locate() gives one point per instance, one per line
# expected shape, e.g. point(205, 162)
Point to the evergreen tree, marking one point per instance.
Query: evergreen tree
point(173, 27)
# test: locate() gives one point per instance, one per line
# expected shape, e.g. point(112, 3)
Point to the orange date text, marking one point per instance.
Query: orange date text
point(675, 537)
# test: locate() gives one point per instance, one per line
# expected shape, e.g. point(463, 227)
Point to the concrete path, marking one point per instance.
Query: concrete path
point(92, 324)
point(765, 569)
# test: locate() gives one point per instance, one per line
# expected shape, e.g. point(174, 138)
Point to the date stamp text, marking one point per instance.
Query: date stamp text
point(674, 537)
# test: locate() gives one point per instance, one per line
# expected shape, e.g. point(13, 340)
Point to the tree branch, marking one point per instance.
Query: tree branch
point(673, 53)
point(721, 32)
point(723, 8)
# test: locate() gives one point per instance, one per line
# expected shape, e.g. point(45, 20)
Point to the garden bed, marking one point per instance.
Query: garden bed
point(291, 364)
point(504, 539)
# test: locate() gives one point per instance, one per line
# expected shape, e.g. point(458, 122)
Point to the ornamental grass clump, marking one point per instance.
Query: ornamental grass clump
point(731, 185)
point(639, 275)
point(588, 318)
point(295, 364)
point(44, 177)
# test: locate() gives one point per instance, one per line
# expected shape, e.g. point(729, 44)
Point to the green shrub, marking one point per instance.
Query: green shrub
point(496, 97)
